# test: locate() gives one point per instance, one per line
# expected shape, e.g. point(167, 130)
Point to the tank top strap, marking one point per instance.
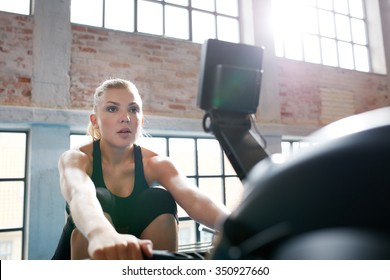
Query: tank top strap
point(140, 182)
point(97, 171)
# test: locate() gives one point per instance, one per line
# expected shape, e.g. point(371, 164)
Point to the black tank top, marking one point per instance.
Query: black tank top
point(122, 205)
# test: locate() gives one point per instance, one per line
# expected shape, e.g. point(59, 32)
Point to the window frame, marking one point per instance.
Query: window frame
point(280, 41)
point(189, 8)
point(21, 229)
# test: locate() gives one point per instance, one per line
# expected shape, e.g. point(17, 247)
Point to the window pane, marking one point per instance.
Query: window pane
point(203, 4)
point(11, 204)
point(203, 27)
point(228, 29)
point(176, 22)
point(343, 29)
point(356, 8)
point(227, 7)
point(288, 17)
point(302, 145)
point(206, 237)
point(292, 147)
point(13, 155)
point(329, 52)
point(11, 245)
point(209, 157)
point(327, 27)
point(296, 146)
point(88, 12)
point(178, 2)
point(310, 20)
point(286, 149)
point(155, 144)
point(358, 31)
point(187, 232)
point(150, 17)
point(309, 2)
point(119, 15)
point(341, 6)
point(229, 170)
point(325, 4)
point(279, 45)
point(346, 55)
point(234, 190)
point(15, 6)
point(182, 152)
point(181, 212)
point(361, 58)
point(293, 46)
point(77, 141)
point(278, 13)
point(212, 187)
point(311, 46)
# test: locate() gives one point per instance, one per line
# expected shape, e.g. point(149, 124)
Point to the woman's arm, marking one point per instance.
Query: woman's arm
point(80, 193)
point(197, 204)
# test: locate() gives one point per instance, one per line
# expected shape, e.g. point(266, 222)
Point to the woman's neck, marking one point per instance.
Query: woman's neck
point(115, 155)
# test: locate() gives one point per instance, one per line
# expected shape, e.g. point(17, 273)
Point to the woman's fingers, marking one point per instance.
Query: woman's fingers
point(147, 248)
point(98, 255)
point(127, 248)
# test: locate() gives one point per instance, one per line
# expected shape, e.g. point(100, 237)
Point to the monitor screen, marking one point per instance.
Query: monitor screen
point(230, 77)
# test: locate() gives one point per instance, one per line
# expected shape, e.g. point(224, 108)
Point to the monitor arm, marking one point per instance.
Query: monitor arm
point(234, 134)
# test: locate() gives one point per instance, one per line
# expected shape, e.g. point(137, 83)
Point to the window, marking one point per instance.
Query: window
point(16, 6)
point(13, 150)
point(290, 147)
point(329, 32)
point(195, 20)
point(202, 161)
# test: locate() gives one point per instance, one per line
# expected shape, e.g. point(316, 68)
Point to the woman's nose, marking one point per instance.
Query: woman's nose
point(125, 119)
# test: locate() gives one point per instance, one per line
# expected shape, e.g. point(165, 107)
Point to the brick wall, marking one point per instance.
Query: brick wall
point(166, 73)
point(317, 94)
point(15, 59)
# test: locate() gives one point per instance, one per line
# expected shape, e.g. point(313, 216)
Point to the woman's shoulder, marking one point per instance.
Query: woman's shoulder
point(159, 168)
point(155, 161)
point(149, 155)
point(78, 156)
point(86, 149)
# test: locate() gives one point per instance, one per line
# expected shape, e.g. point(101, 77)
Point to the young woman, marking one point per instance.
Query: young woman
point(113, 212)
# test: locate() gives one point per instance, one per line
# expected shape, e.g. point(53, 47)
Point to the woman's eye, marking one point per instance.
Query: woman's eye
point(134, 109)
point(111, 109)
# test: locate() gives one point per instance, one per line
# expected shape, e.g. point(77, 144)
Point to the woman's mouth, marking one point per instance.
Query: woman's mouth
point(124, 131)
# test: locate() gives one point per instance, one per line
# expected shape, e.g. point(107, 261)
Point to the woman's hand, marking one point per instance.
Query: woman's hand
point(116, 246)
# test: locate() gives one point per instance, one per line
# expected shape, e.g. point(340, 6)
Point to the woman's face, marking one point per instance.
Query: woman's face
point(118, 117)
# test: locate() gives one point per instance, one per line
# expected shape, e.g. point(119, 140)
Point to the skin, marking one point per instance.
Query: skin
point(119, 119)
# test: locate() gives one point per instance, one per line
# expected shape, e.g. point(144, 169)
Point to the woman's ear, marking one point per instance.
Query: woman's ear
point(92, 119)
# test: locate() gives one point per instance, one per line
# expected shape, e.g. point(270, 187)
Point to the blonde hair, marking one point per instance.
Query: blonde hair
point(106, 85)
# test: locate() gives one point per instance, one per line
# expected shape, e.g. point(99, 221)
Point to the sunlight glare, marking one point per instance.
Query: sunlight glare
point(288, 21)
point(287, 16)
